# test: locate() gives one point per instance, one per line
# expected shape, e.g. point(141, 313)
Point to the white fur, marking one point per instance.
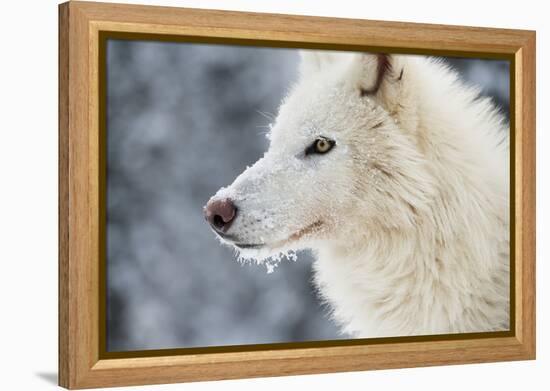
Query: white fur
point(408, 214)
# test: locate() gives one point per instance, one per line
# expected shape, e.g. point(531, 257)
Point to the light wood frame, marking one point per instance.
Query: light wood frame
point(81, 361)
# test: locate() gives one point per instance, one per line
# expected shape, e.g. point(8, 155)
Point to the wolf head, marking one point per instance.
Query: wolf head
point(343, 159)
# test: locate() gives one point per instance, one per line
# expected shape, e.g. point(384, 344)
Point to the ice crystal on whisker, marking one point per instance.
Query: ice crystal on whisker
point(265, 257)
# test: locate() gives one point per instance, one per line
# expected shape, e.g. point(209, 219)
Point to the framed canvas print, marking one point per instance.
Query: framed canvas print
point(247, 195)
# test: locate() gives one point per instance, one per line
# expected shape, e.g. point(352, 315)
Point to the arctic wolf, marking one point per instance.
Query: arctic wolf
point(396, 175)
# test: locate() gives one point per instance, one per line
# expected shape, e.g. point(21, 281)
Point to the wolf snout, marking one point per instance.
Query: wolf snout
point(220, 214)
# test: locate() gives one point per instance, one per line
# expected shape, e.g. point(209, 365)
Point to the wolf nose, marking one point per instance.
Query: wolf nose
point(220, 214)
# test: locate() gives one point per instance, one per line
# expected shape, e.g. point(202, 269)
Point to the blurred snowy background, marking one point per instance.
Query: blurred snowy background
point(182, 121)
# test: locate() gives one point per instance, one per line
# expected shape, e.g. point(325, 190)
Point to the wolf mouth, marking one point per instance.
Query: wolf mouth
point(257, 246)
point(234, 241)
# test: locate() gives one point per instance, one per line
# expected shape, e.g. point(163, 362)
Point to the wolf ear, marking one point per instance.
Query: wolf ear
point(369, 71)
point(314, 61)
point(384, 77)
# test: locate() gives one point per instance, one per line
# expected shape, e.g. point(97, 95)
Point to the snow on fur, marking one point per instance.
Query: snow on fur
point(407, 214)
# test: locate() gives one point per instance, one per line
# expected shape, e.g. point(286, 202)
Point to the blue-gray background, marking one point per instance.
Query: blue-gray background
point(182, 121)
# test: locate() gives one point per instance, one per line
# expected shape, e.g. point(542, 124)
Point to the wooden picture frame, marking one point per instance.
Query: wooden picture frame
point(83, 28)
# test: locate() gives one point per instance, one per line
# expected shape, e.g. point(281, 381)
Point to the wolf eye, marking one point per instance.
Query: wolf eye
point(320, 146)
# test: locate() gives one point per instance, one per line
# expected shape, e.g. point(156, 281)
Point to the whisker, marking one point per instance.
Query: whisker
point(267, 115)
